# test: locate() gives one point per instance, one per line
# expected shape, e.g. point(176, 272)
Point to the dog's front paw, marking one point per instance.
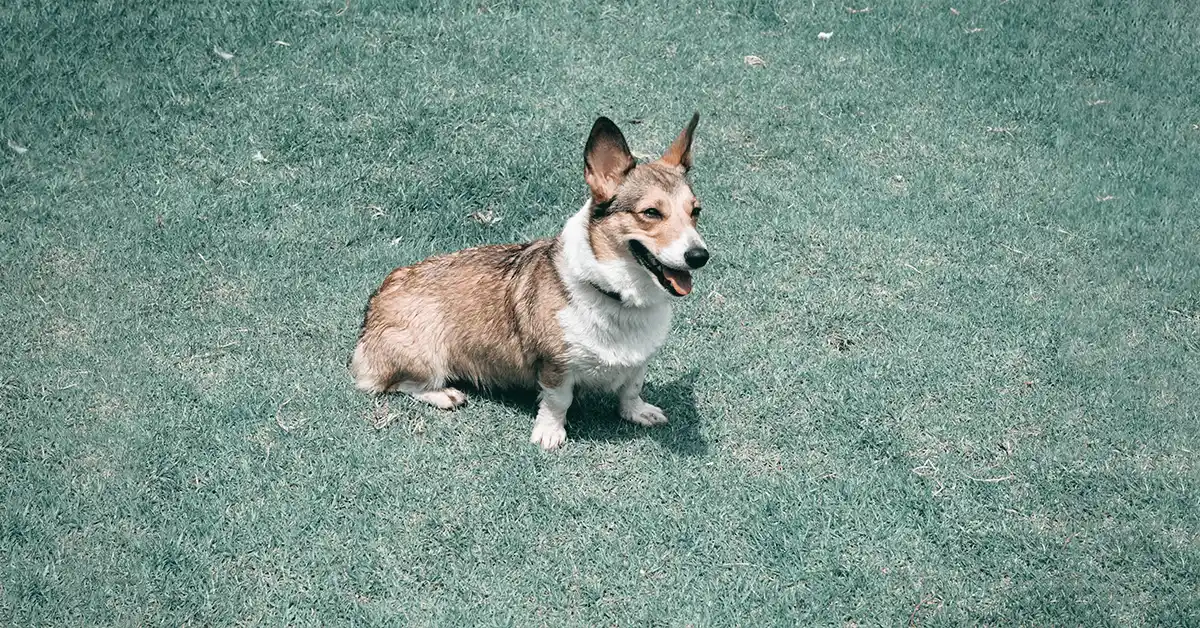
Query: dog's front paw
point(643, 413)
point(548, 434)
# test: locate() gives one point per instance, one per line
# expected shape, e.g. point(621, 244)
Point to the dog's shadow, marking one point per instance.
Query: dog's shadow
point(593, 416)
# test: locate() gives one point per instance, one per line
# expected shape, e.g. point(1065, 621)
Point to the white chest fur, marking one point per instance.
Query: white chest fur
point(606, 338)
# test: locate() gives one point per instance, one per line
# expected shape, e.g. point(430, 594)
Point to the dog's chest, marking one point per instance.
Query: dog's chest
point(602, 341)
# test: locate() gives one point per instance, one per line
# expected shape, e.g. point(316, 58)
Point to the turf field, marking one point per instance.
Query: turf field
point(942, 369)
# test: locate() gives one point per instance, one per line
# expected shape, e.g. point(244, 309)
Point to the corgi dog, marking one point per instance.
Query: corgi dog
point(587, 308)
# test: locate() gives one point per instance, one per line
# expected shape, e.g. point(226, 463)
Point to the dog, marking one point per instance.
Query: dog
point(587, 308)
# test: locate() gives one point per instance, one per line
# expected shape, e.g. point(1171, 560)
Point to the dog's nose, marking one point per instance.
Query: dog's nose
point(696, 257)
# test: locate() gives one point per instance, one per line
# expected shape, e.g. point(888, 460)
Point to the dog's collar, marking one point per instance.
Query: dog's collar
point(608, 293)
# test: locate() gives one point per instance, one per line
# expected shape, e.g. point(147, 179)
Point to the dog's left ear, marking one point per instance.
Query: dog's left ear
point(606, 160)
point(680, 151)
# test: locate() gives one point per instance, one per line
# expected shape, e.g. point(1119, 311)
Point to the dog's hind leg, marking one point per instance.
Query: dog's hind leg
point(446, 398)
point(377, 372)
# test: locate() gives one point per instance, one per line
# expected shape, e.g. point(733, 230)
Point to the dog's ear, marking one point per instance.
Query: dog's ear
point(680, 151)
point(606, 160)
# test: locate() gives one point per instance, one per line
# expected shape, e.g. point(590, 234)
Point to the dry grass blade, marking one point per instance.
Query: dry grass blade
point(381, 416)
point(993, 480)
point(485, 217)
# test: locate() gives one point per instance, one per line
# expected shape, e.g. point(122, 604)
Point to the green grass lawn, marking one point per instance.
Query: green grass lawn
point(943, 368)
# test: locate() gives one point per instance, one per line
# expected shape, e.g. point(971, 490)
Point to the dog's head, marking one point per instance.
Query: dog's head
point(644, 213)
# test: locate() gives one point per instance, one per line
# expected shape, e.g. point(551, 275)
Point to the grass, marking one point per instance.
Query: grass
point(942, 369)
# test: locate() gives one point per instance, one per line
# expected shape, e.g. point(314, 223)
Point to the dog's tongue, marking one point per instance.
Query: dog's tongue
point(680, 280)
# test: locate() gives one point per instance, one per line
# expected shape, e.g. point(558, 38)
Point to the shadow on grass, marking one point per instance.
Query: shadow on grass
point(593, 416)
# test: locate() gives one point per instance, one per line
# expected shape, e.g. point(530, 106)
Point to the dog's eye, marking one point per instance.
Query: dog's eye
point(652, 212)
point(696, 212)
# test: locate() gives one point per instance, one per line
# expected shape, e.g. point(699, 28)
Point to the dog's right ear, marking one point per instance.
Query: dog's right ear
point(606, 160)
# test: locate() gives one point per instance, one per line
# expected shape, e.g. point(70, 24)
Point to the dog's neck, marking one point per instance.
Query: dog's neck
point(623, 282)
point(608, 293)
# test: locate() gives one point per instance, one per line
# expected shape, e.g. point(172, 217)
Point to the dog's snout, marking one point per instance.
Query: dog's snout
point(696, 257)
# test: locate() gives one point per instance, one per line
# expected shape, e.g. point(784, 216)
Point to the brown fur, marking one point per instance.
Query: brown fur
point(483, 315)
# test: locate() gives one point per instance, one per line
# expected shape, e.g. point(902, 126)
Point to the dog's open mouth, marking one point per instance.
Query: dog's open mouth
point(677, 282)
